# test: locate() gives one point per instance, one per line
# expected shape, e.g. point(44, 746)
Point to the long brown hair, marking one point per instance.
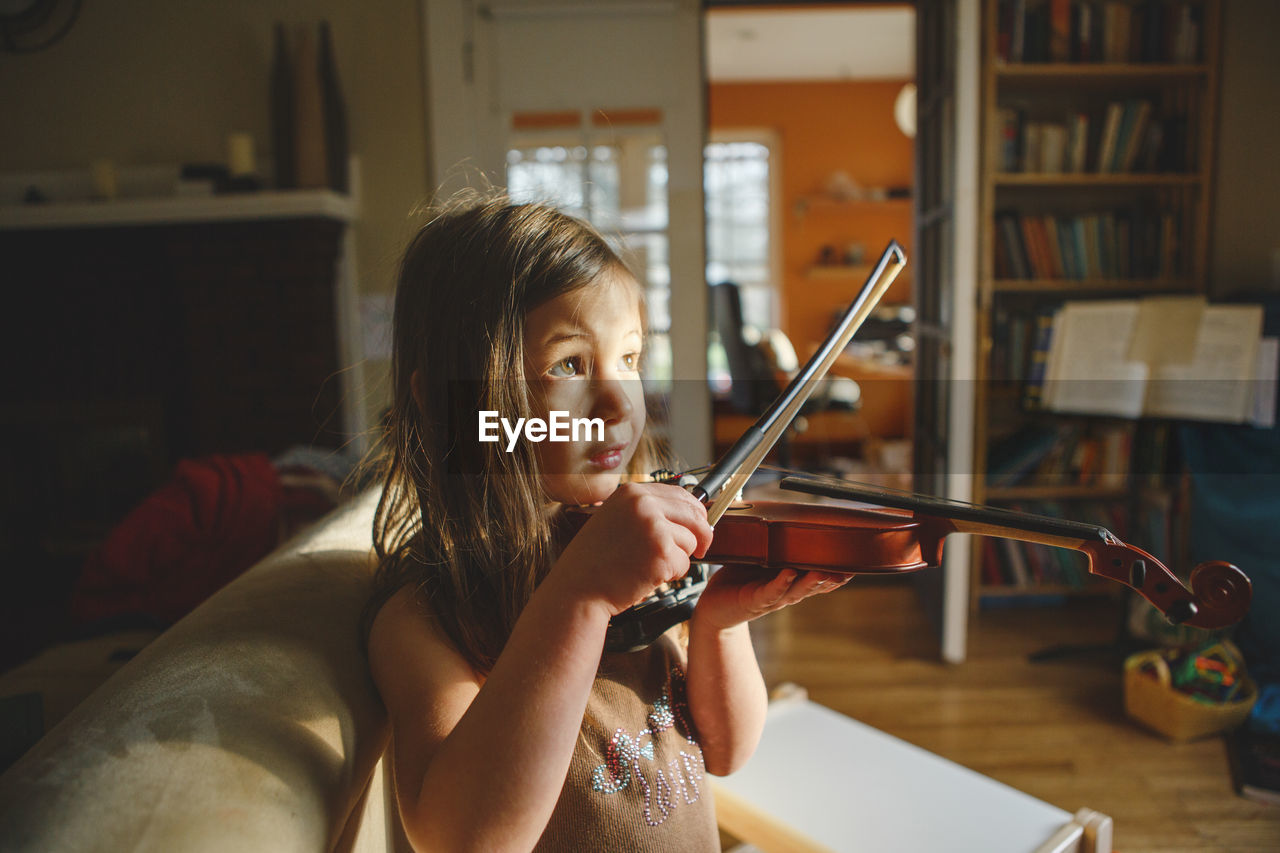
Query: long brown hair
point(462, 520)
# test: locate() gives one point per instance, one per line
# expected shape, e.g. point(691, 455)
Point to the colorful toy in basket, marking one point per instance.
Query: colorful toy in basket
point(1185, 694)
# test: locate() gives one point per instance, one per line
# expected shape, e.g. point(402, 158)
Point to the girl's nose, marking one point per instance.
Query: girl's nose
point(612, 402)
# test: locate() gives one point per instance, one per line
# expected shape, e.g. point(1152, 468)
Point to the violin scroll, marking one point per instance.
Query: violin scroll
point(1219, 595)
point(1222, 590)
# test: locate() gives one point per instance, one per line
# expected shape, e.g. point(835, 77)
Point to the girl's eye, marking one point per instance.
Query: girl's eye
point(630, 362)
point(566, 368)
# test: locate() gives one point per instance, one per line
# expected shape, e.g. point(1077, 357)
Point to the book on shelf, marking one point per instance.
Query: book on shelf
point(1131, 138)
point(1126, 243)
point(1153, 459)
point(1032, 158)
point(1111, 120)
point(1099, 31)
point(1083, 37)
point(1059, 30)
point(1038, 358)
point(1012, 460)
point(1169, 356)
point(1009, 138)
point(1016, 561)
point(1053, 148)
point(1063, 455)
point(1077, 153)
point(1135, 134)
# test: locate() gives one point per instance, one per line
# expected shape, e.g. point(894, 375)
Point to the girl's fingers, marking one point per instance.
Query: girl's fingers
point(693, 515)
point(811, 583)
point(686, 511)
point(685, 539)
point(777, 589)
point(828, 581)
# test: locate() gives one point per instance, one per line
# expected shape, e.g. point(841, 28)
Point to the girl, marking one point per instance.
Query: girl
point(510, 729)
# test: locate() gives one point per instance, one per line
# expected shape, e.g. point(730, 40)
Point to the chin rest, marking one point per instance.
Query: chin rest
point(251, 724)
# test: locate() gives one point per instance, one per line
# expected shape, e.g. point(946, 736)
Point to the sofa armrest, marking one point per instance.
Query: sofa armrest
point(251, 724)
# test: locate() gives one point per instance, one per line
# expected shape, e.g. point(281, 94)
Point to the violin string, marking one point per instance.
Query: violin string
point(870, 490)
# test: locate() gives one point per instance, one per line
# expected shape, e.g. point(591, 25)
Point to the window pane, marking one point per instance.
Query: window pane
point(619, 185)
point(736, 183)
point(550, 174)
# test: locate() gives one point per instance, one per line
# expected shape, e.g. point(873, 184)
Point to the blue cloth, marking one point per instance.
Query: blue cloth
point(1235, 516)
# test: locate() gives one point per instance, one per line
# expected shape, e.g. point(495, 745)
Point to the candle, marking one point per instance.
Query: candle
point(240, 160)
point(103, 176)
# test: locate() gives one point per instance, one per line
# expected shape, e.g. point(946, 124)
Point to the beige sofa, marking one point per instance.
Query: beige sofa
point(250, 725)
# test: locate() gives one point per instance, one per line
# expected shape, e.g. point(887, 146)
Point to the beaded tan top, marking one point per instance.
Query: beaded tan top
point(636, 781)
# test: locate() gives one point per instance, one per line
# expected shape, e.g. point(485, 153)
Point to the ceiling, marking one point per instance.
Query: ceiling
point(855, 43)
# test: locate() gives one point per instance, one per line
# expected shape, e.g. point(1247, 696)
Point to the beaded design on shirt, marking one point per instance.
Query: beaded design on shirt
point(673, 783)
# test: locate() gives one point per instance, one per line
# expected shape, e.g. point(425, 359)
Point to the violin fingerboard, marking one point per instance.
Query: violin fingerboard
point(926, 505)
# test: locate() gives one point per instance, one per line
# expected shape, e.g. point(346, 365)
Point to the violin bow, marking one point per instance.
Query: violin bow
point(639, 625)
point(726, 478)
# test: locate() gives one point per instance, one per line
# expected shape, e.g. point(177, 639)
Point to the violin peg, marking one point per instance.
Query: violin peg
point(1138, 574)
point(1181, 611)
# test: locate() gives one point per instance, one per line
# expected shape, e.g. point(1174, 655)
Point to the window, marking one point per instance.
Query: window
point(737, 179)
point(620, 187)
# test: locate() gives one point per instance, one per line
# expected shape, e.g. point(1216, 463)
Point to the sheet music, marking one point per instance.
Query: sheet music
point(1217, 385)
point(1089, 369)
point(1164, 326)
point(1264, 384)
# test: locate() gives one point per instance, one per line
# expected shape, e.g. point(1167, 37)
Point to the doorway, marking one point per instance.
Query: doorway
point(826, 93)
point(923, 412)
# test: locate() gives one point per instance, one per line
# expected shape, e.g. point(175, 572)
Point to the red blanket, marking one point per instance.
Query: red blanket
point(215, 518)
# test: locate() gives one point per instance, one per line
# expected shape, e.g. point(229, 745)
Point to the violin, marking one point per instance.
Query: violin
point(869, 530)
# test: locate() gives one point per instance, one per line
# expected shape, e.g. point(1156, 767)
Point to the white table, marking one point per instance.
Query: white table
point(821, 781)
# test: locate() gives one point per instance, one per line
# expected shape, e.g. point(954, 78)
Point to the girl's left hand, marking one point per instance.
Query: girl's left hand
point(737, 594)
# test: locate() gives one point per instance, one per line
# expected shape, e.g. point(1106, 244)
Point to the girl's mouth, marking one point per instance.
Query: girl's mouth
point(609, 458)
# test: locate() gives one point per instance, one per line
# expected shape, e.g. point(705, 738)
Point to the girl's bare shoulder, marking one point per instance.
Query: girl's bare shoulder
point(413, 663)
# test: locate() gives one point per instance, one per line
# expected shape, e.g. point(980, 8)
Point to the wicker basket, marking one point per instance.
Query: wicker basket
point(1155, 703)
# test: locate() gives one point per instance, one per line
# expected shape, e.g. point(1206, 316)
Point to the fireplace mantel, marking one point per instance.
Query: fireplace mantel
point(174, 210)
point(236, 314)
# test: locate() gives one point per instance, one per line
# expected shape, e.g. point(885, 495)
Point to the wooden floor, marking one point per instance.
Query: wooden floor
point(1056, 730)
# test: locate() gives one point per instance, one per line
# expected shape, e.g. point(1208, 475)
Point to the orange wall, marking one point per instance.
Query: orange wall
point(824, 127)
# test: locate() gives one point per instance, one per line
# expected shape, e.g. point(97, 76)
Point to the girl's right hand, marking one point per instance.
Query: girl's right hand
point(641, 537)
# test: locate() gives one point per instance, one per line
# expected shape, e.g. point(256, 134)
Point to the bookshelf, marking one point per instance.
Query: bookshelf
point(1096, 180)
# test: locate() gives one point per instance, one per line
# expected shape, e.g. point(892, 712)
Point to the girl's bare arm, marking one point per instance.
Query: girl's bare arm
point(479, 763)
point(727, 696)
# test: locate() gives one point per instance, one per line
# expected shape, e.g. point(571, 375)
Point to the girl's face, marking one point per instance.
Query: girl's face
point(582, 356)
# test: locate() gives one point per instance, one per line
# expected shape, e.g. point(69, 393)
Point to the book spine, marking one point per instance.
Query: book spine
point(1017, 251)
point(1010, 134)
point(1053, 148)
point(1033, 392)
point(1031, 146)
point(1017, 563)
point(1138, 133)
point(1049, 225)
point(1060, 30)
point(1127, 116)
point(1110, 130)
point(1039, 267)
point(1066, 244)
point(1081, 250)
point(1017, 40)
